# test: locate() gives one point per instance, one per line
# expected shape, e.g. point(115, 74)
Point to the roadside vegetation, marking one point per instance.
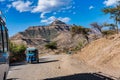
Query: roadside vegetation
point(79, 30)
point(17, 52)
point(108, 32)
point(51, 45)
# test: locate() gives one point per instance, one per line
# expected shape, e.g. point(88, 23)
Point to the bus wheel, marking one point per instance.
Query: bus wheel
point(4, 78)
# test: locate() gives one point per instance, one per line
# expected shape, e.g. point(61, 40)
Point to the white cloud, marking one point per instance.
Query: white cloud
point(22, 6)
point(65, 19)
point(91, 7)
point(47, 6)
point(42, 15)
point(52, 18)
point(42, 7)
point(110, 2)
point(50, 5)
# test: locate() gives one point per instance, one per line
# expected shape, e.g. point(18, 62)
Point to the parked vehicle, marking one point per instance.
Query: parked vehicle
point(4, 57)
point(32, 55)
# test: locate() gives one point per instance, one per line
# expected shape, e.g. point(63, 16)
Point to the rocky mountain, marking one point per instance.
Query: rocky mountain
point(57, 31)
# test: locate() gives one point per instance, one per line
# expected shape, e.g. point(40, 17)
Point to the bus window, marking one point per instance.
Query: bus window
point(5, 39)
point(1, 44)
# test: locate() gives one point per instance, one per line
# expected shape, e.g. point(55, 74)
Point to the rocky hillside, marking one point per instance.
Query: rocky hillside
point(57, 31)
point(103, 54)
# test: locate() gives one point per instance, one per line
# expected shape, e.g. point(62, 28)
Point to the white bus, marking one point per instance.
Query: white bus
point(4, 56)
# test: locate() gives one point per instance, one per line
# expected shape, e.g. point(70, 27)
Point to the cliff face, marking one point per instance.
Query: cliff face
point(57, 31)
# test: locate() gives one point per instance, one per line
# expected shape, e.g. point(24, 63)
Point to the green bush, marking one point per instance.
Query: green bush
point(79, 30)
point(51, 45)
point(79, 46)
point(17, 52)
point(108, 32)
point(76, 29)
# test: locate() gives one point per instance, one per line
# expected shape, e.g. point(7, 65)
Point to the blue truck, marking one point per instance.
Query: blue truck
point(32, 55)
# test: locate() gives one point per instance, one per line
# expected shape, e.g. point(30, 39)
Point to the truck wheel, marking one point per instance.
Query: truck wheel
point(37, 61)
point(30, 61)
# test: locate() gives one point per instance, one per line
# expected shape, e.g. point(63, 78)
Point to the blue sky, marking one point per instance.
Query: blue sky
point(21, 14)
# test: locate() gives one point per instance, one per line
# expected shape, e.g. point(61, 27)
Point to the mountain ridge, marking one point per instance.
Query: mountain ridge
point(57, 31)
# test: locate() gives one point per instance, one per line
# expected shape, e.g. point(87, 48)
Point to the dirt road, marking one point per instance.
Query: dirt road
point(48, 67)
point(52, 66)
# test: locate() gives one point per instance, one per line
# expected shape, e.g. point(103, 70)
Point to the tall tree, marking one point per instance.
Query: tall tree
point(111, 26)
point(115, 14)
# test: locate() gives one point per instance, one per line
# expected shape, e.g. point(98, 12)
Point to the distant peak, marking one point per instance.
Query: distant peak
point(57, 22)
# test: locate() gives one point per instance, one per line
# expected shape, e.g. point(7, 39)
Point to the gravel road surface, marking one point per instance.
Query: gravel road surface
point(55, 67)
point(48, 67)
